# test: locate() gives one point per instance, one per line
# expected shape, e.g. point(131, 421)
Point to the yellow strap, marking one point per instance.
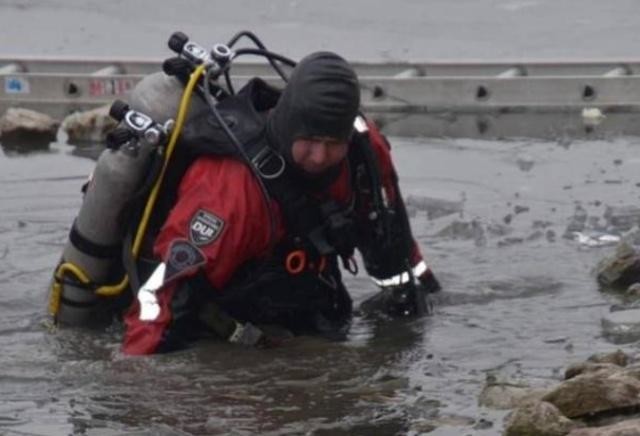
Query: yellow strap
point(113, 290)
point(56, 287)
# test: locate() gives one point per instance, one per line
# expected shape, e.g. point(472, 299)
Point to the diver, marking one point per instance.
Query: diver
point(223, 271)
point(253, 219)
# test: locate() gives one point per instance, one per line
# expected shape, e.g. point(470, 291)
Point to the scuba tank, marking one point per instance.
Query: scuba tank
point(94, 257)
point(93, 252)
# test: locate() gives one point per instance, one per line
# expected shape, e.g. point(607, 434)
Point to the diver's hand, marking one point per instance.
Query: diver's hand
point(406, 300)
point(429, 282)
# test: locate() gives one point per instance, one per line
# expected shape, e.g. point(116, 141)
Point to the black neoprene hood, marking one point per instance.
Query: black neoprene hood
point(321, 99)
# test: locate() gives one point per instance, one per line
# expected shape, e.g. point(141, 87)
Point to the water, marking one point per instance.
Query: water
point(519, 301)
point(366, 29)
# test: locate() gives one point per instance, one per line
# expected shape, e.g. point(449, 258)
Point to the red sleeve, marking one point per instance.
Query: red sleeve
point(223, 190)
point(220, 209)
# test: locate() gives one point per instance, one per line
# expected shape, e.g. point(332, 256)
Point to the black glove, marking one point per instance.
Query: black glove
point(429, 282)
point(406, 300)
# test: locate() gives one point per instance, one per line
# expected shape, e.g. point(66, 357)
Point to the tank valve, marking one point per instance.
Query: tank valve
point(194, 53)
point(138, 126)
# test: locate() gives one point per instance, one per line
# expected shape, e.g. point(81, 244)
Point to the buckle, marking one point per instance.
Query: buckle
point(263, 158)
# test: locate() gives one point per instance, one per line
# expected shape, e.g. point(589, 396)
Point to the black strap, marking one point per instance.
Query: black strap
point(91, 248)
point(302, 214)
point(78, 304)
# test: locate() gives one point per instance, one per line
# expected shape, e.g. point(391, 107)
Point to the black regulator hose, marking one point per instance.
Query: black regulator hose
point(261, 46)
point(232, 137)
point(271, 56)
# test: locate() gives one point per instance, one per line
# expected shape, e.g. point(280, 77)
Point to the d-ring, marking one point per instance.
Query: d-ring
point(263, 157)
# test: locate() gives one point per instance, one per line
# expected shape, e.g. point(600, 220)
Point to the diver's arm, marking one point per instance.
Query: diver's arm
point(215, 226)
point(391, 255)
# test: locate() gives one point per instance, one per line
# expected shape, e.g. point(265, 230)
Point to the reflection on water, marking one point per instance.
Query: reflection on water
point(517, 302)
point(512, 123)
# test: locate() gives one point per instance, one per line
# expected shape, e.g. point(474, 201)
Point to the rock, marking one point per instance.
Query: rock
point(504, 396)
point(27, 128)
point(596, 392)
point(632, 236)
point(633, 290)
point(538, 418)
point(620, 270)
point(625, 428)
point(588, 367)
point(622, 326)
point(617, 357)
point(90, 126)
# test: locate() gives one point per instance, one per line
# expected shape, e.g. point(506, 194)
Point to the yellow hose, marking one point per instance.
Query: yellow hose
point(56, 288)
point(114, 290)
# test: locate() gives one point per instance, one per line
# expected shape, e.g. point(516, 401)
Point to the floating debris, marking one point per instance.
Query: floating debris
point(595, 239)
point(592, 116)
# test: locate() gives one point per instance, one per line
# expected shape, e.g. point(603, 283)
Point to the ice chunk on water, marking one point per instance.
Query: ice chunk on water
point(595, 239)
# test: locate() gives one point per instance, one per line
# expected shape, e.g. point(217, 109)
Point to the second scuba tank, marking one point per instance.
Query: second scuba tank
point(158, 96)
point(94, 249)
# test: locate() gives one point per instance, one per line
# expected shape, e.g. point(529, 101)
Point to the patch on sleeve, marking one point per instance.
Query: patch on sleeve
point(183, 258)
point(205, 228)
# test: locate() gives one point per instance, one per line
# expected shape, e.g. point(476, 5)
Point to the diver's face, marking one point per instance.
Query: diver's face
point(317, 154)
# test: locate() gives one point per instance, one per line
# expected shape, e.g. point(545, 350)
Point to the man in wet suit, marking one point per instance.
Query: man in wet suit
point(236, 262)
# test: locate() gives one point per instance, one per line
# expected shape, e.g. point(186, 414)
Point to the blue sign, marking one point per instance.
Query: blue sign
point(16, 85)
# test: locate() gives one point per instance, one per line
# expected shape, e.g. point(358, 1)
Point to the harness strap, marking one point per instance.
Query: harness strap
point(90, 248)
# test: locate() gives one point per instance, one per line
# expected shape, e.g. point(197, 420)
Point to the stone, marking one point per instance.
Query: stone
point(622, 326)
point(633, 290)
point(504, 396)
point(538, 418)
point(595, 392)
point(630, 427)
point(27, 128)
point(621, 270)
point(589, 367)
point(89, 127)
point(617, 357)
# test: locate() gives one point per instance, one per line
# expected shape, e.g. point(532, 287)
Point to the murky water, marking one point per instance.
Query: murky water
point(519, 301)
point(519, 298)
